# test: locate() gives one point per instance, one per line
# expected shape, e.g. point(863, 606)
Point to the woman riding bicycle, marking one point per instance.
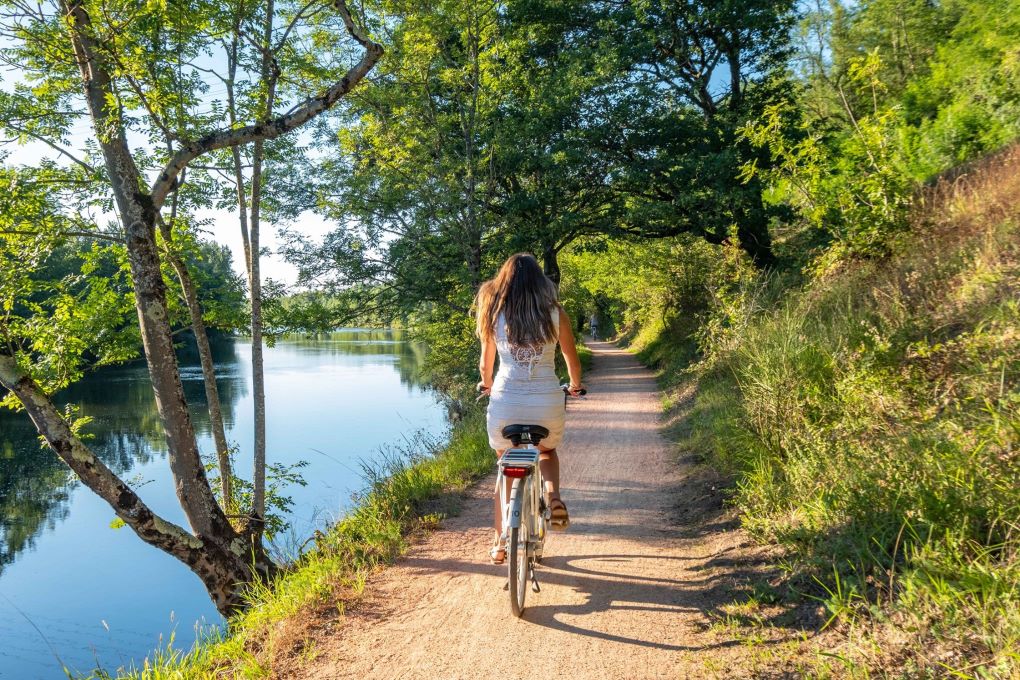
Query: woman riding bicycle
point(519, 318)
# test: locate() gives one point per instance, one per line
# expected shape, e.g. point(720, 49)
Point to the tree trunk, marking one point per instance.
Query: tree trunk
point(269, 77)
point(551, 265)
point(235, 151)
point(222, 550)
point(753, 229)
point(212, 392)
point(138, 217)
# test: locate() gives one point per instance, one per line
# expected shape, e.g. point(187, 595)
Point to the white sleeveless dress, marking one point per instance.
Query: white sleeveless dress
point(525, 390)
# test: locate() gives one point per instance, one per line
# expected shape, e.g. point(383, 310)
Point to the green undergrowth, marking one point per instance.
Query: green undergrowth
point(871, 420)
point(584, 355)
point(409, 492)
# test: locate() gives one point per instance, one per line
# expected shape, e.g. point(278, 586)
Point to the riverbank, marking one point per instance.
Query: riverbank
point(407, 496)
point(76, 592)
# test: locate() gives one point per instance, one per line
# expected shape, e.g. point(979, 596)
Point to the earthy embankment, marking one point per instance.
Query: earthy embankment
point(654, 579)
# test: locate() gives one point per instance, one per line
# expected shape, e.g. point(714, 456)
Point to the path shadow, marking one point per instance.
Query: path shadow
point(607, 587)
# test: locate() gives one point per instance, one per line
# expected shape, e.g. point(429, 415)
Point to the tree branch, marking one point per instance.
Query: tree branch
point(59, 149)
point(85, 234)
point(149, 526)
point(271, 129)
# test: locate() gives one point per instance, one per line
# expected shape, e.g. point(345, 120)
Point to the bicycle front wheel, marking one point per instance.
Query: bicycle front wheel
point(518, 568)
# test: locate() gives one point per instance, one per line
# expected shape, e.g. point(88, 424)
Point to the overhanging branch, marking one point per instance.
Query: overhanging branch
point(275, 127)
point(149, 526)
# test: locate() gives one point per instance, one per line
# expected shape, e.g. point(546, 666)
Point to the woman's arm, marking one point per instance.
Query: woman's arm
point(569, 350)
point(486, 363)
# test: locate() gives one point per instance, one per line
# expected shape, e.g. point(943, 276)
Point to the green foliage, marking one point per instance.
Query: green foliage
point(451, 363)
point(222, 292)
point(850, 188)
point(279, 476)
point(415, 162)
point(871, 420)
point(65, 301)
point(679, 81)
point(892, 93)
point(407, 493)
point(684, 288)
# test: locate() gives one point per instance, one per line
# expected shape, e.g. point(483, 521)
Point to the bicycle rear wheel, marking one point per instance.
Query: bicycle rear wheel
point(517, 565)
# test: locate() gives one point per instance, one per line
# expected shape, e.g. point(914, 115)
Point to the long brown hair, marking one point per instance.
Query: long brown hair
point(525, 296)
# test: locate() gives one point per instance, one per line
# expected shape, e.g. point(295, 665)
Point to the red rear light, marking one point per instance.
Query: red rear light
point(516, 472)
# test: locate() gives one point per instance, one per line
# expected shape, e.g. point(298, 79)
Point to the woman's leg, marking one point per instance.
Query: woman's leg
point(497, 522)
point(497, 554)
point(549, 462)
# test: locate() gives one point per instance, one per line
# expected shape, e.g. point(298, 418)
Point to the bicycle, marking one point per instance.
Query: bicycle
point(526, 515)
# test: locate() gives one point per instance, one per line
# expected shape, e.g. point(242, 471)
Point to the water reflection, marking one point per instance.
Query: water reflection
point(367, 342)
point(125, 431)
point(34, 487)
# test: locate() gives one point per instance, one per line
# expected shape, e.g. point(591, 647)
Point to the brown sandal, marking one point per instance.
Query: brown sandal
point(559, 519)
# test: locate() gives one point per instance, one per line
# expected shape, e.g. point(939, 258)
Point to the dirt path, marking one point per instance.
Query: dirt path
point(653, 579)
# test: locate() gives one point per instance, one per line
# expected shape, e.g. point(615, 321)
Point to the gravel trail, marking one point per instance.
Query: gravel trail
point(639, 586)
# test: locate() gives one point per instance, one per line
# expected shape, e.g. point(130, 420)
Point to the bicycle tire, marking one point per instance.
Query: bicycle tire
point(517, 569)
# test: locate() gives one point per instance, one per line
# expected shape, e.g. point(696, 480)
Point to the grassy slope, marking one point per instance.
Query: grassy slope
point(871, 421)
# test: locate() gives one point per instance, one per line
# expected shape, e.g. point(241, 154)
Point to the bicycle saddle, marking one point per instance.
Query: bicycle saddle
point(533, 434)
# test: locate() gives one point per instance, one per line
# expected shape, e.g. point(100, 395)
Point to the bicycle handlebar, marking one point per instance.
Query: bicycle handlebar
point(566, 390)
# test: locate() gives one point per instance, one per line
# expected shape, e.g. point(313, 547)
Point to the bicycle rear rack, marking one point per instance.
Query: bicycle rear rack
point(519, 458)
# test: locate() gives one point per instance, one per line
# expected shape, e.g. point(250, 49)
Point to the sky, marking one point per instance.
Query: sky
point(224, 227)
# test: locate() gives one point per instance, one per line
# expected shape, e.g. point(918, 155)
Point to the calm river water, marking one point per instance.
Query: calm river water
point(74, 589)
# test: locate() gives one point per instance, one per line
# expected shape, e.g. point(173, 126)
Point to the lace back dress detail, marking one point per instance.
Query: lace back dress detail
point(527, 368)
point(525, 389)
point(526, 357)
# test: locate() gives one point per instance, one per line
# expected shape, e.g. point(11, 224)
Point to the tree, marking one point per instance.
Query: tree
point(414, 167)
point(137, 71)
point(692, 74)
point(551, 188)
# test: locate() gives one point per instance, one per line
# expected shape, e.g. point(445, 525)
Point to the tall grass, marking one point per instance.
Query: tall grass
point(407, 492)
point(873, 421)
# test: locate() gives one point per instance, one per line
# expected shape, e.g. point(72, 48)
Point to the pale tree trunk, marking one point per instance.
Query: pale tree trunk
point(242, 211)
point(473, 242)
point(269, 77)
point(214, 551)
point(212, 392)
point(242, 202)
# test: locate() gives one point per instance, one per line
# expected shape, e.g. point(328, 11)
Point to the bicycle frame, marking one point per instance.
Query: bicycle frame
point(524, 517)
point(521, 506)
